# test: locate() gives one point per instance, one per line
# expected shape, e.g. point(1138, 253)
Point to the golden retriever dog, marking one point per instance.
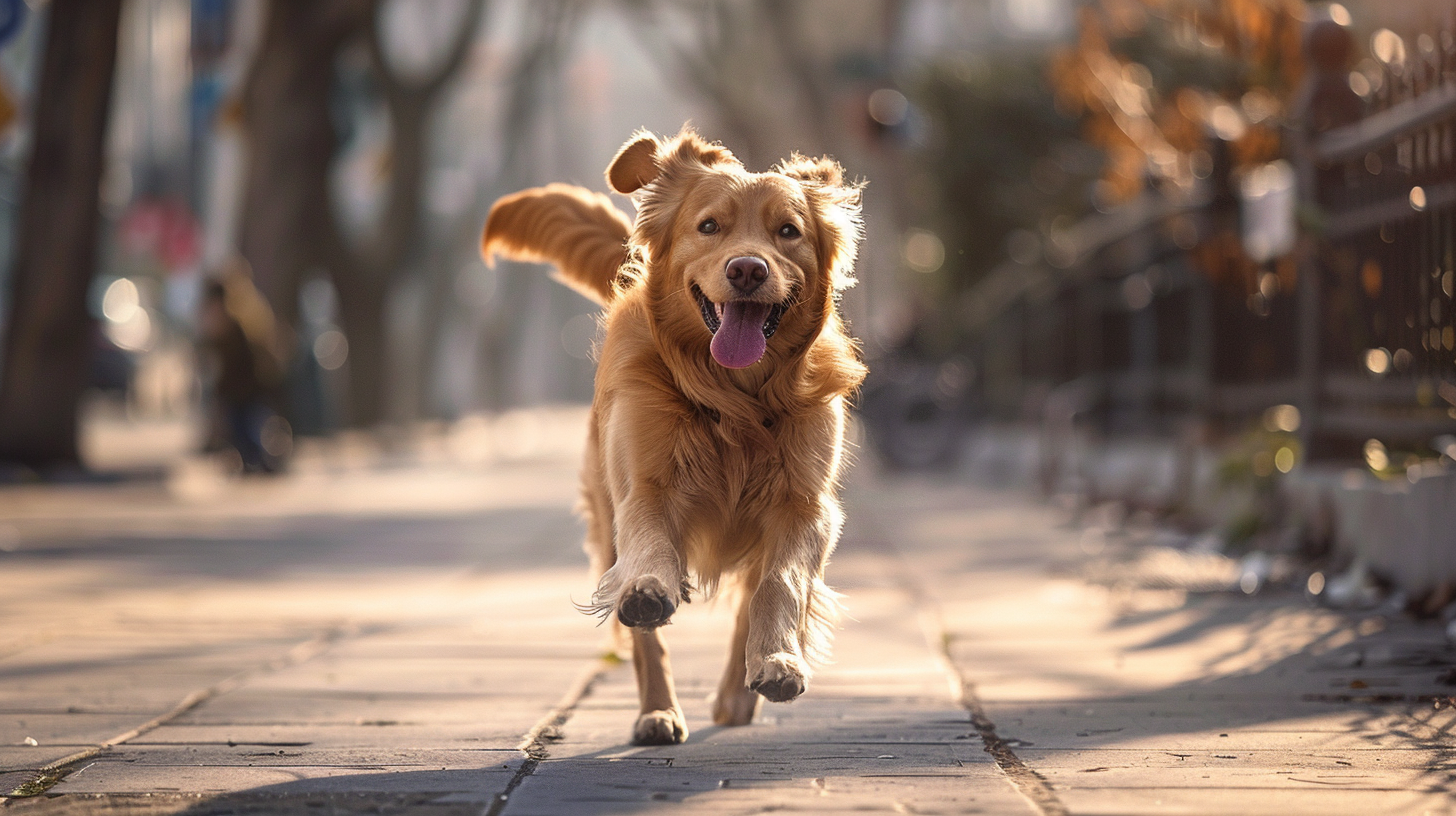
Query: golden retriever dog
point(717, 424)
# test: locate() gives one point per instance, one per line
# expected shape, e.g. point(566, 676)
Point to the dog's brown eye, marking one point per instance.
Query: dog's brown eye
point(708, 227)
point(789, 231)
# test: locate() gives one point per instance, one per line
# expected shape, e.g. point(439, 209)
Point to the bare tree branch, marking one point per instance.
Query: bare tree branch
point(783, 19)
point(393, 82)
point(557, 23)
point(702, 64)
point(364, 271)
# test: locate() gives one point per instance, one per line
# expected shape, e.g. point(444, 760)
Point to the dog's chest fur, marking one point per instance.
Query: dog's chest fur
point(716, 467)
point(729, 492)
point(726, 477)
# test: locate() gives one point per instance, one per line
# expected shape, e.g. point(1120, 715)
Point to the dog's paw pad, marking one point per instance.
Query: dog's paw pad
point(645, 604)
point(660, 728)
point(735, 707)
point(781, 679)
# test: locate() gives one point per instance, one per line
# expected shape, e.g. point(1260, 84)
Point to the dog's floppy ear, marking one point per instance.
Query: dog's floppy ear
point(644, 158)
point(836, 207)
point(662, 173)
point(635, 165)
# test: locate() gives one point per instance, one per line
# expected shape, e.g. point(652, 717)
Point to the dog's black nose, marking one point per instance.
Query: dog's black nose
point(747, 273)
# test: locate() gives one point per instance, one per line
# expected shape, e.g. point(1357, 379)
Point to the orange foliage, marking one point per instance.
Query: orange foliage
point(1147, 132)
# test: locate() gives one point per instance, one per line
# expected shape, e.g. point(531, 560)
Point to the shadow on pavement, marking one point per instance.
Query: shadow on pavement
point(518, 538)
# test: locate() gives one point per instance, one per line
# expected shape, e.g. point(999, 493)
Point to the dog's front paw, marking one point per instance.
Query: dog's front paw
point(781, 678)
point(665, 727)
point(646, 603)
point(736, 706)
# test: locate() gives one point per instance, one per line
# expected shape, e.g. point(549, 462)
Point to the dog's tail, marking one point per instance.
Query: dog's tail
point(581, 232)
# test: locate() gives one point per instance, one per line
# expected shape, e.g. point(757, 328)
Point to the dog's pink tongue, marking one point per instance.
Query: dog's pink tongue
point(739, 341)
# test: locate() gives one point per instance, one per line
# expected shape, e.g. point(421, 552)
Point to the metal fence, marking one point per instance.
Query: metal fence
point(1387, 186)
point(1158, 317)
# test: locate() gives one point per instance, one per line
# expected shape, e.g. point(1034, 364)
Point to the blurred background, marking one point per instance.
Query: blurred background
point(1191, 256)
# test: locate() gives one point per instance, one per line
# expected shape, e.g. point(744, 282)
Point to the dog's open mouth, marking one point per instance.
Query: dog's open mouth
point(741, 328)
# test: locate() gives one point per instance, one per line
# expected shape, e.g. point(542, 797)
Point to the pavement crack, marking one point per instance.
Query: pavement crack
point(1031, 785)
point(50, 775)
point(1027, 782)
point(547, 730)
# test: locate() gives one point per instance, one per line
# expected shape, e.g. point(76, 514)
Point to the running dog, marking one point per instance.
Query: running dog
point(716, 442)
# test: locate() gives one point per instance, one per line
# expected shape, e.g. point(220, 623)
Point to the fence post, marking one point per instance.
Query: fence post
point(1324, 101)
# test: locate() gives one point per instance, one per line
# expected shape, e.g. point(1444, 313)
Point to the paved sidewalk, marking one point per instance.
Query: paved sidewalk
point(401, 640)
point(1124, 699)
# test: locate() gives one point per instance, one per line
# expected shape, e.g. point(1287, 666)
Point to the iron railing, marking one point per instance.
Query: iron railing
point(1155, 315)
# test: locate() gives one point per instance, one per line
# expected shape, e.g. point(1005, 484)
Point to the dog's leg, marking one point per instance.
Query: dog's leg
point(661, 721)
point(773, 662)
point(735, 703)
point(791, 610)
point(648, 581)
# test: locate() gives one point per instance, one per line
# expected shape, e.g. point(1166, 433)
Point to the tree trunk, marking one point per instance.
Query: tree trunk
point(50, 335)
point(361, 313)
point(291, 143)
point(364, 275)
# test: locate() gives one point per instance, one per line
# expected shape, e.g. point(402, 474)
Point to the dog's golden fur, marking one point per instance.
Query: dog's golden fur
point(696, 472)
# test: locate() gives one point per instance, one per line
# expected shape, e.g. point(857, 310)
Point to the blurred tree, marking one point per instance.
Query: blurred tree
point(1153, 80)
point(721, 51)
point(1183, 98)
point(291, 143)
point(365, 269)
point(289, 222)
point(536, 72)
point(1026, 144)
point(774, 75)
point(50, 334)
point(1000, 166)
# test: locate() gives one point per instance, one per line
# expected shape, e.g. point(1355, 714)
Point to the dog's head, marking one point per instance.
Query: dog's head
point(736, 259)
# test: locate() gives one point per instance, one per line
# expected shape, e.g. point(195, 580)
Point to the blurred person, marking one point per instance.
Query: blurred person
point(242, 371)
point(112, 369)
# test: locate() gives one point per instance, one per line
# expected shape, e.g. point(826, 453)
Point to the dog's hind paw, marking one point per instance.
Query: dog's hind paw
point(782, 678)
point(665, 727)
point(646, 603)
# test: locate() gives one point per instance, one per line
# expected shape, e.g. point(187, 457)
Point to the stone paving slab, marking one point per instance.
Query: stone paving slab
point(254, 803)
point(310, 755)
point(503, 712)
point(66, 728)
point(21, 764)
point(379, 675)
point(424, 736)
point(1179, 724)
point(1221, 797)
point(114, 777)
point(1182, 768)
